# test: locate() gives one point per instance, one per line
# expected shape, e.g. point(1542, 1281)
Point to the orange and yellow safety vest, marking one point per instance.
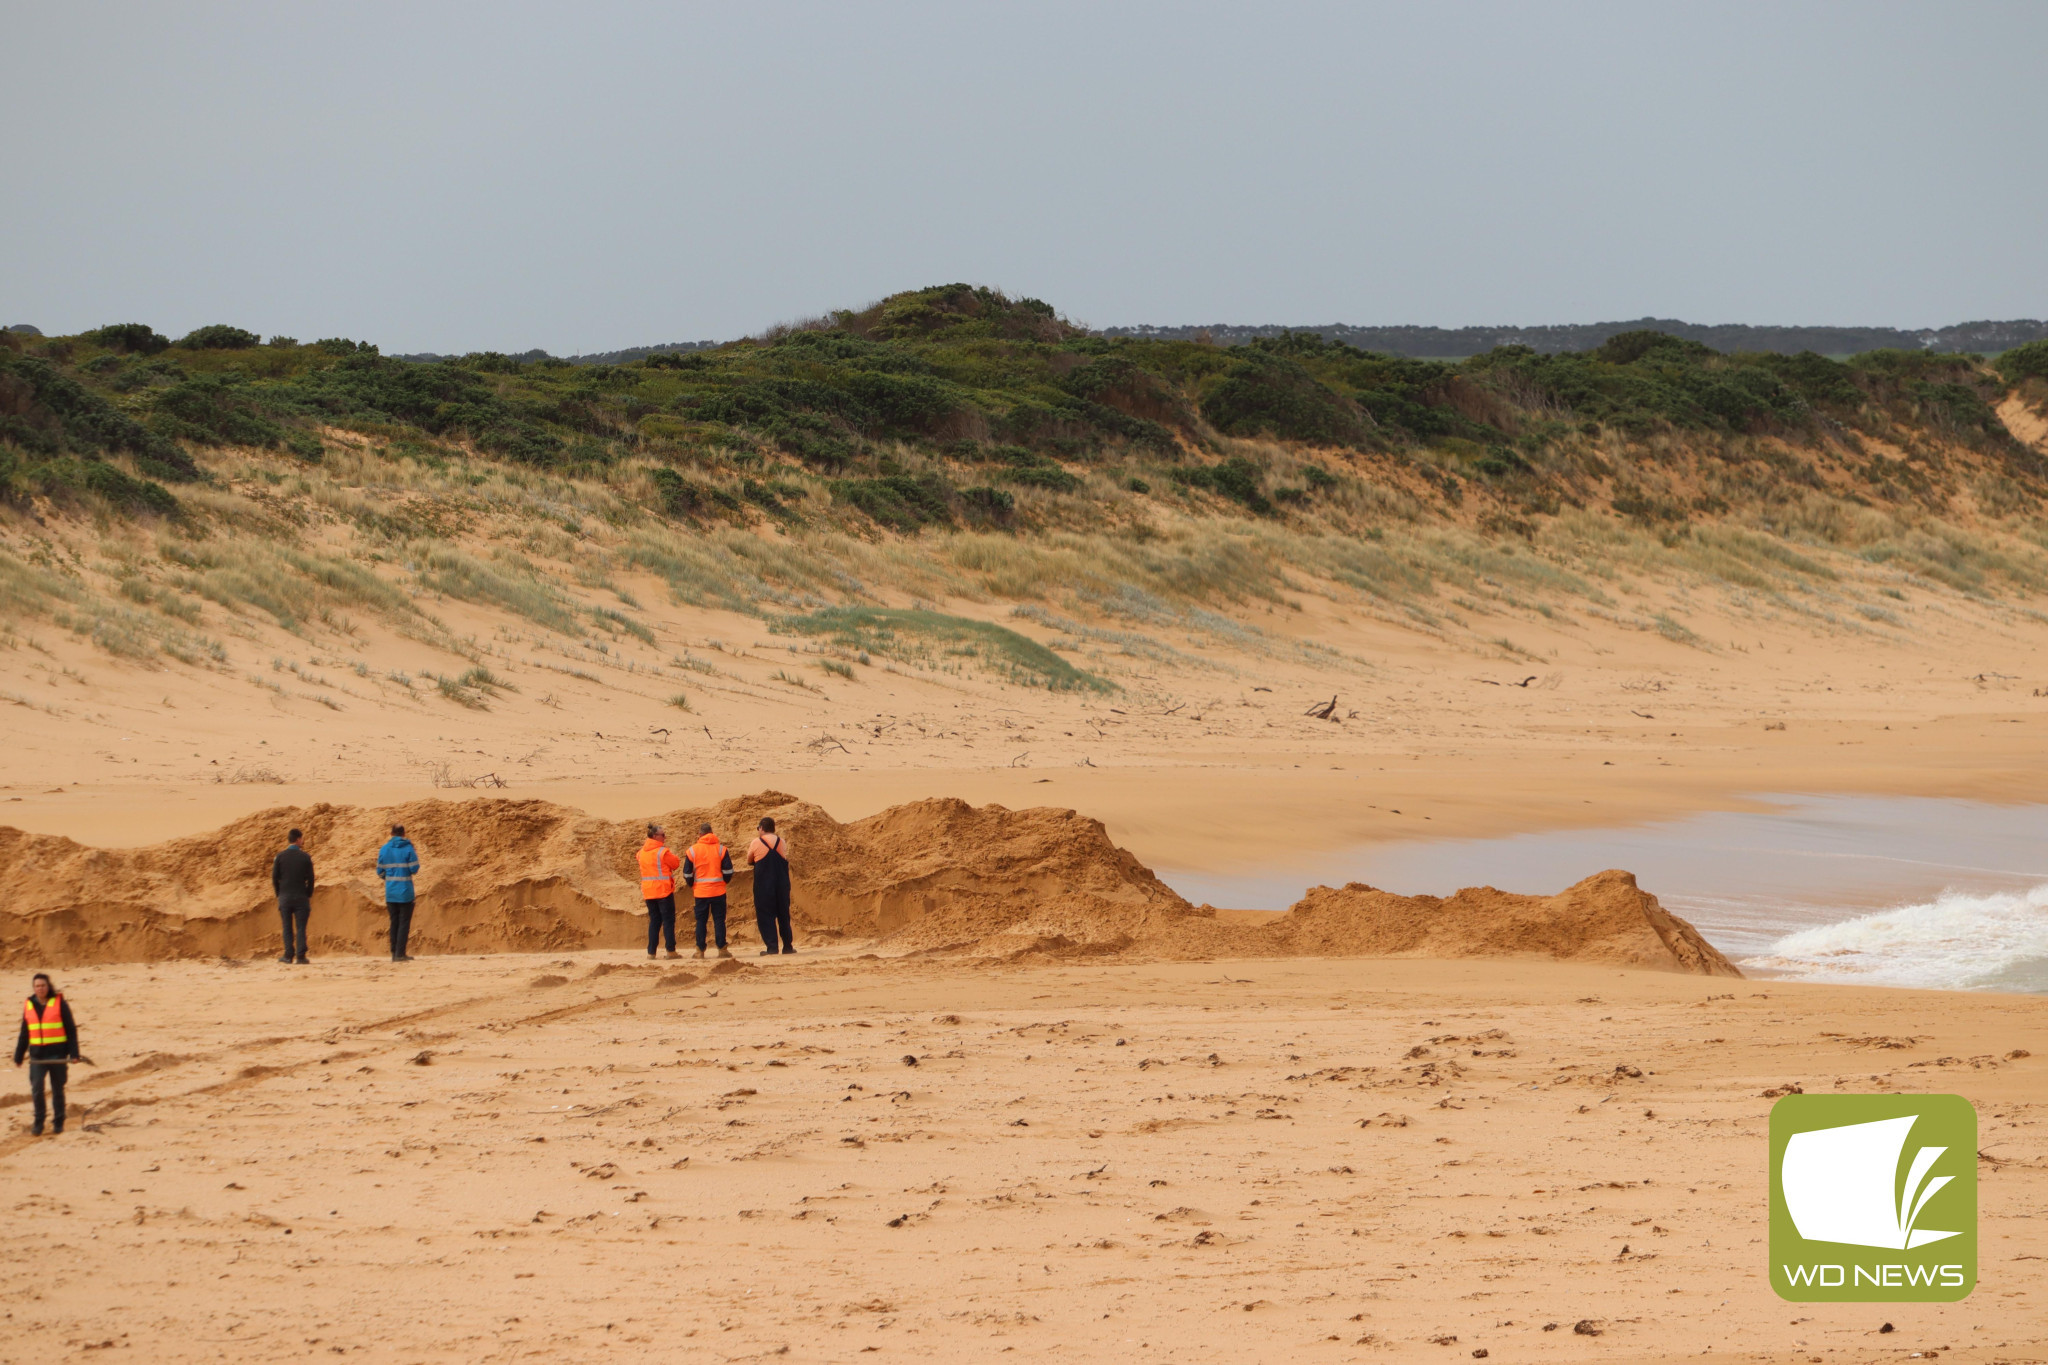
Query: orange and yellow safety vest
point(47, 1027)
point(657, 870)
point(707, 867)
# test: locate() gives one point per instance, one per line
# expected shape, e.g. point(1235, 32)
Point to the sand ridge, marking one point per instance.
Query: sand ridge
point(935, 876)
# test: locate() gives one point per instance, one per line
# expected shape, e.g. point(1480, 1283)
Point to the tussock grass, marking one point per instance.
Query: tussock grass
point(933, 639)
point(617, 621)
point(510, 585)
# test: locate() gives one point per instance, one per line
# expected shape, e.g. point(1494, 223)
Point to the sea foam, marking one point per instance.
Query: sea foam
point(1957, 941)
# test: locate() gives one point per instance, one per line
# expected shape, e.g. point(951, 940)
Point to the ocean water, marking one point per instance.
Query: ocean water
point(1894, 891)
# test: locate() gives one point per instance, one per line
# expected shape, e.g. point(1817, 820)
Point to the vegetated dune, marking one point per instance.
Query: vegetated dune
point(933, 876)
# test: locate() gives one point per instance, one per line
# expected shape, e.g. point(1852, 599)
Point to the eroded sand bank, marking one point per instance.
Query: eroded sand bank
point(937, 877)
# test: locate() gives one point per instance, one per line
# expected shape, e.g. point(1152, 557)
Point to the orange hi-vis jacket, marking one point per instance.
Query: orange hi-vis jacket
point(657, 870)
point(707, 864)
point(47, 1027)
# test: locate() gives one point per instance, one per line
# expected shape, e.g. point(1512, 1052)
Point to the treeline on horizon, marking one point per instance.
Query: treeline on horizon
point(934, 406)
point(1458, 343)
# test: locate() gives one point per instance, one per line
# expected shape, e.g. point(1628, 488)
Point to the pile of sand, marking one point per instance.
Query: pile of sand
point(935, 876)
point(1605, 918)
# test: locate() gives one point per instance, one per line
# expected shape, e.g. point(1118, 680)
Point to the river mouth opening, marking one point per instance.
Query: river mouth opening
point(1895, 891)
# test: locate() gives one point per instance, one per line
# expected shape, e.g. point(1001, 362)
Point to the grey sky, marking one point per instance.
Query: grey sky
point(580, 177)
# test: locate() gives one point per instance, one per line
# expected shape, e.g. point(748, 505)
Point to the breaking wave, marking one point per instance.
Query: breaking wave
point(1995, 941)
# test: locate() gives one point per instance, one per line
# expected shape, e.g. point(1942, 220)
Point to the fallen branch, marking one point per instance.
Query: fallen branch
point(1326, 710)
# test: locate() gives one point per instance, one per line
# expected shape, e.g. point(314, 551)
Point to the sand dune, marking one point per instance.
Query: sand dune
point(935, 876)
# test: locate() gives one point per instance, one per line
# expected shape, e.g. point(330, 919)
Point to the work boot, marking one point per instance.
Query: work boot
point(766, 952)
point(286, 958)
point(724, 951)
point(698, 954)
point(35, 1130)
point(300, 961)
point(673, 953)
point(56, 1127)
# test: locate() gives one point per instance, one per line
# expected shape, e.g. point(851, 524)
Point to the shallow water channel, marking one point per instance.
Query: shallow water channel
point(1900, 891)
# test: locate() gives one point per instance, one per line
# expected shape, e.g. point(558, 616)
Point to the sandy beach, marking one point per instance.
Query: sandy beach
point(571, 1153)
point(590, 1157)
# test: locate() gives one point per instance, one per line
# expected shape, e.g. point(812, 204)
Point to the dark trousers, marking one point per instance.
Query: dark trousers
point(293, 915)
point(771, 920)
point(401, 926)
point(58, 1072)
point(710, 908)
point(661, 922)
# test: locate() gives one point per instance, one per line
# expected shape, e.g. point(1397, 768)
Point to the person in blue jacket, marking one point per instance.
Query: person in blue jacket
point(398, 862)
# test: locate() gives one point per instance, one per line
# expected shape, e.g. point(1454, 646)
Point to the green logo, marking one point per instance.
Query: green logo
point(1873, 1198)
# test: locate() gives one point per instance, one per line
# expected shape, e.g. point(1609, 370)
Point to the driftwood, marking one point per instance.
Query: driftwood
point(1323, 710)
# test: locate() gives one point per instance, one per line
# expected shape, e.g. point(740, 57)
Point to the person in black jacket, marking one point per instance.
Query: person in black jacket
point(49, 1040)
point(291, 877)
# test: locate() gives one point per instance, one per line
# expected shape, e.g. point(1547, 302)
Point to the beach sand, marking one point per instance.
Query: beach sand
point(348, 1160)
point(592, 1157)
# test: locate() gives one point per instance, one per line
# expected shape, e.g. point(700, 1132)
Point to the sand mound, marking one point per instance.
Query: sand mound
point(935, 876)
point(1605, 918)
point(503, 875)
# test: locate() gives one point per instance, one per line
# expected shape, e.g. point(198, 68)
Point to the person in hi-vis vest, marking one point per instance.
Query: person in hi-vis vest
point(48, 1041)
point(707, 867)
point(658, 864)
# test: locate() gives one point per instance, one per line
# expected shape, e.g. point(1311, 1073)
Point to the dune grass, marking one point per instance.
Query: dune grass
point(933, 639)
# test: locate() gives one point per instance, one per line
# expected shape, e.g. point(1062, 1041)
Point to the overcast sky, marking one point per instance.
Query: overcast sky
point(582, 177)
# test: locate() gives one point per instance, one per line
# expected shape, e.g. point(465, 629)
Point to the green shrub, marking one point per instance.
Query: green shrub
point(989, 504)
point(2025, 362)
point(219, 337)
point(900, 501)
point(216, 409)
point(1237, 478)
point(73, 475)
point(1270, 395)
point(1045, 476)
point(134, 338)
point(679, 497)
point(1625, 348)
point(46, 412)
